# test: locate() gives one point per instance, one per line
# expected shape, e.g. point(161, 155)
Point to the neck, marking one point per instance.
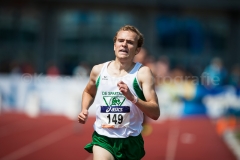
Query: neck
point(123, 65)
point(119, 69)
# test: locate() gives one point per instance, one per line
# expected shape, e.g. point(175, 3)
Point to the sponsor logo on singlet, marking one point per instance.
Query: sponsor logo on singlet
point(114, 114)
point(115, 109)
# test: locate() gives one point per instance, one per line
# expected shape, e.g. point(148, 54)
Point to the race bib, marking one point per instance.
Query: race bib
point(115, 116)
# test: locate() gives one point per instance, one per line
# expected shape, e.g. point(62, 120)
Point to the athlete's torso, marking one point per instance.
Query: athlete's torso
point(116, 116)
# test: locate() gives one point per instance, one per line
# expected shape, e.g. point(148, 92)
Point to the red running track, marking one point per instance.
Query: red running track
point(58, 138)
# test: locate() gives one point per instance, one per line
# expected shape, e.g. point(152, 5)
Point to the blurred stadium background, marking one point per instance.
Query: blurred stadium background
point(48, 47)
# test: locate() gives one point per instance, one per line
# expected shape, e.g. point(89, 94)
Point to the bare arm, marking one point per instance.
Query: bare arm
point(150, 107)
point(89, 93)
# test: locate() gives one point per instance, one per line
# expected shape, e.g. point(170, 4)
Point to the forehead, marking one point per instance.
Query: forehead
point(129, 35)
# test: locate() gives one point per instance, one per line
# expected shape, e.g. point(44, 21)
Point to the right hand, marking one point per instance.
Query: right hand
point(82, 117)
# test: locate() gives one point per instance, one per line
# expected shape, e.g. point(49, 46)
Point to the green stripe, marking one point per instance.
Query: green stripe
point(138, 90)
point(98, 81)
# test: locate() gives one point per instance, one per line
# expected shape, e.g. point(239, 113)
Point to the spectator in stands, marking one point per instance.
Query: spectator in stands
point(53, 70)
point(234, 78)
point(214, 74)
point(15, 67)
point(162, 69)
point(141, 57)
point(27, 67)
point(82, 70)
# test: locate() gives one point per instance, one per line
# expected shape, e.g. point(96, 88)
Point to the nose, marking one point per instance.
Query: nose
point(124, 43)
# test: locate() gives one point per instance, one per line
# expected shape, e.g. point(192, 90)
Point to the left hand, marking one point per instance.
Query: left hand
point(125, 90)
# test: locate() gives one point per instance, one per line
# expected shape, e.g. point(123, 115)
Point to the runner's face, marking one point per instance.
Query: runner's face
point(126, 44)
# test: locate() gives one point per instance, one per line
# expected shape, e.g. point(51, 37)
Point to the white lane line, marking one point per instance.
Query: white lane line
point(172, 143)
point(232, 142)
point(40, 143)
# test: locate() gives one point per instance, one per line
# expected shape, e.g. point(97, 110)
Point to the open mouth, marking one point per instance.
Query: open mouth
point(123, 50)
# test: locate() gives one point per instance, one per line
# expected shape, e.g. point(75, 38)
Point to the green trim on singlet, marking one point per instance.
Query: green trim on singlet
point(98, 81)
point(138, 90)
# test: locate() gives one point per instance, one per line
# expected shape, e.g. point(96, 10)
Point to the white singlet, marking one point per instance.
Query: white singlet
point(116, 116)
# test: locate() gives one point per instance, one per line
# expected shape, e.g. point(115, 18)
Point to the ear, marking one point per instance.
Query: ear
point(114, 47)
point(137, 50)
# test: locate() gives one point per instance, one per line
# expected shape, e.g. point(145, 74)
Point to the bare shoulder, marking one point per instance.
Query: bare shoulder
point(145, 73)
point(96, 69)
point(145, 69)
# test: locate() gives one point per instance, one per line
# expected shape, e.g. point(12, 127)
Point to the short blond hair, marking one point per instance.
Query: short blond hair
point(132, 29)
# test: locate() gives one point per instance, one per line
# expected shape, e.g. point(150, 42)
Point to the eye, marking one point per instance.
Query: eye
point(120, 40)
point(130, 42)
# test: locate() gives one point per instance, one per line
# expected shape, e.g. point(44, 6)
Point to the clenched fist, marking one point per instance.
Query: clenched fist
point(82, 117)
point(125, 90)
